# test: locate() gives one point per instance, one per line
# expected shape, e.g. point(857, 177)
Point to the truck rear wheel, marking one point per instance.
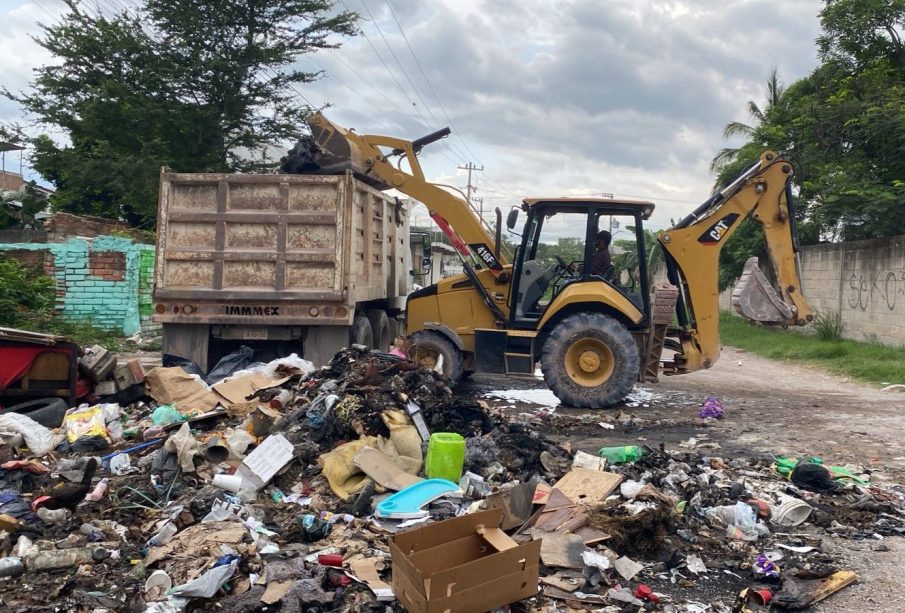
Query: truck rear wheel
point(429, 347)
point(590, 361)
point(361, 332)
point(380, 327)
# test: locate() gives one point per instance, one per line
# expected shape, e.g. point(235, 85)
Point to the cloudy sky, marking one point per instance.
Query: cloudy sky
point(551, 97)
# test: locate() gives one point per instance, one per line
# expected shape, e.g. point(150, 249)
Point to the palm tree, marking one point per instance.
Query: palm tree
point(727, 155)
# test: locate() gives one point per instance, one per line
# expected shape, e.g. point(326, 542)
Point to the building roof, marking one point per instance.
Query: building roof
point(11, 147)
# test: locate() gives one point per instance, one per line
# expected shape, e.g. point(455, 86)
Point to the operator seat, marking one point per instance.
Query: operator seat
point(534, 282)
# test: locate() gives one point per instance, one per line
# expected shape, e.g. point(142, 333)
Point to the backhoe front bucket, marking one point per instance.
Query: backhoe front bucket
point(754, 298)
point(333, 152)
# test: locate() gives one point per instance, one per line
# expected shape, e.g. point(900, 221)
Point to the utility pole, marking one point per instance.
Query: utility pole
point(470, 188)
point(480, 203)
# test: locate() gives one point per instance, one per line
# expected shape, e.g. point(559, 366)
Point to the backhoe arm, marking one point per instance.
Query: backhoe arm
point(339, 148)
point(693, 247)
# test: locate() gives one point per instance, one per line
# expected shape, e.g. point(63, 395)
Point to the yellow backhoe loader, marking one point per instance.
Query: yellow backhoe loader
point(597, 331)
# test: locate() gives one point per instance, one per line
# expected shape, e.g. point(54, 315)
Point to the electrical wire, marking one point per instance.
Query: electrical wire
point(429, 84)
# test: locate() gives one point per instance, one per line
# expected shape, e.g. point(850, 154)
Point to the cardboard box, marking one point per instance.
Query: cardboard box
point(462, 565)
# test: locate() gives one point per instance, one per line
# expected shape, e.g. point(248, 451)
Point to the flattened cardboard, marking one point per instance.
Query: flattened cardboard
point(561, 550)
point(237, 390)
point(365, 570)
point(259, 466)
point(516, 503)
point(175, 386)
point(588, 487)
point(453, 565)
point(276, 590)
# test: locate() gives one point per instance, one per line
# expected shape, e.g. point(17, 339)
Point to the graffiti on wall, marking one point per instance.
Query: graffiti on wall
point(876, 289)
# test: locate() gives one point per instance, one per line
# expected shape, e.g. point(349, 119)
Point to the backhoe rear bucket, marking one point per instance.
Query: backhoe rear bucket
point(754, 298)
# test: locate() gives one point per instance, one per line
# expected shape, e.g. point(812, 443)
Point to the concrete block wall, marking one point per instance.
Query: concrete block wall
point(862, 280)
point(97, 280)
point(872, 289)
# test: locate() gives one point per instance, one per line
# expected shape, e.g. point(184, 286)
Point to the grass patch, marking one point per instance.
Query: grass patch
point(80, 332)
point(871, 362)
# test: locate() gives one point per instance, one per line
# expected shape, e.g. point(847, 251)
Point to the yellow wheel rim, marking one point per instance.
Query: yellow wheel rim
point(589, 362)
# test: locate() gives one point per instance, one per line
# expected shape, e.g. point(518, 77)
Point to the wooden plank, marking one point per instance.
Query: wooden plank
point(589, 487)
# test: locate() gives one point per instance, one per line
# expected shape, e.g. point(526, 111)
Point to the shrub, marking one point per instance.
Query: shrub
point(23, 293)
point(828, 325)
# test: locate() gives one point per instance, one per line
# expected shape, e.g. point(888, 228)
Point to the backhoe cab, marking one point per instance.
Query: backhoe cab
point(595, 330)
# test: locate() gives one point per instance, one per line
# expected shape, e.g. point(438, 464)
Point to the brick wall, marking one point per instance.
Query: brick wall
point(66, 225)
point(11, 180)
point(103, 280)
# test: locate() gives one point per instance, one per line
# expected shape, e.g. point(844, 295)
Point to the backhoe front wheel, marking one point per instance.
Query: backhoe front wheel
point(590, 361)
point(434, 351)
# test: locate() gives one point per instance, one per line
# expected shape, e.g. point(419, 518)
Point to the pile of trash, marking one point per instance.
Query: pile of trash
point(368, 485)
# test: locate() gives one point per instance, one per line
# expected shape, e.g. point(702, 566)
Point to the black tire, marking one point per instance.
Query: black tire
point(361, 333)
point(428, 345)
point(48, 412)
point(394, 329)
point(380, 327)
point(590, 361)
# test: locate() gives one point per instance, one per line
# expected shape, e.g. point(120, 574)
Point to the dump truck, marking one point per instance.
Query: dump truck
point(281, 263)
point(594, 333)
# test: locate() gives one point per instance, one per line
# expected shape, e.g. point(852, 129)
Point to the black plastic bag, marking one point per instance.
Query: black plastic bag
point(237, 360)
point(814, 477)
point(186, 364)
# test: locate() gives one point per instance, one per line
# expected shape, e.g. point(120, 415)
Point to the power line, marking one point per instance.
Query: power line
point(401, 67)
point(429, 84)
point(393, 102)
point(387, 67)
point(417, 108)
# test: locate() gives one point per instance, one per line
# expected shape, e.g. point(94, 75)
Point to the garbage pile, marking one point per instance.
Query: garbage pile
point(368, 485)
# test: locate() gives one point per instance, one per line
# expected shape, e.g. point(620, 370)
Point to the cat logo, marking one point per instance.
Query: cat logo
point(714, 234)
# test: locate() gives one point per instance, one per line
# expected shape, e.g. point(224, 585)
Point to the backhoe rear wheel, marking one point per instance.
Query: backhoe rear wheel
point(427, 350)
point(590, 361)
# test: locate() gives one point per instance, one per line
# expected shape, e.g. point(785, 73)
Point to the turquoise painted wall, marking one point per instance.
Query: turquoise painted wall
point(98, 280)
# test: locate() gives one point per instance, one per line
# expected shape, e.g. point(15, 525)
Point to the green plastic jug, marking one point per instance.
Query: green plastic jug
point(445, 456)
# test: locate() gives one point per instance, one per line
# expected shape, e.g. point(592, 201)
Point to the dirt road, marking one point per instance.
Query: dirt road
point(771, 408)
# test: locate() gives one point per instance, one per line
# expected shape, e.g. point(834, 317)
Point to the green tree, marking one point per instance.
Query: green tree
point(861, 31)
point(753, 131)
point(24, 293)
point(197, 85)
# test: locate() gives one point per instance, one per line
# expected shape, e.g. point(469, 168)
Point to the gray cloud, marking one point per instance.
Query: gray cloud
point(554, 97)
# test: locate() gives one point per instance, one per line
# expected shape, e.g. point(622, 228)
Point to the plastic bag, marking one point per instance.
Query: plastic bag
point(166, 414)
point(740, 521)
point(207, 584)
point(712, 408)
point(39, 439)
point(237, 360)
point(287, 365)
point(187, 365)
point(85, 421)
